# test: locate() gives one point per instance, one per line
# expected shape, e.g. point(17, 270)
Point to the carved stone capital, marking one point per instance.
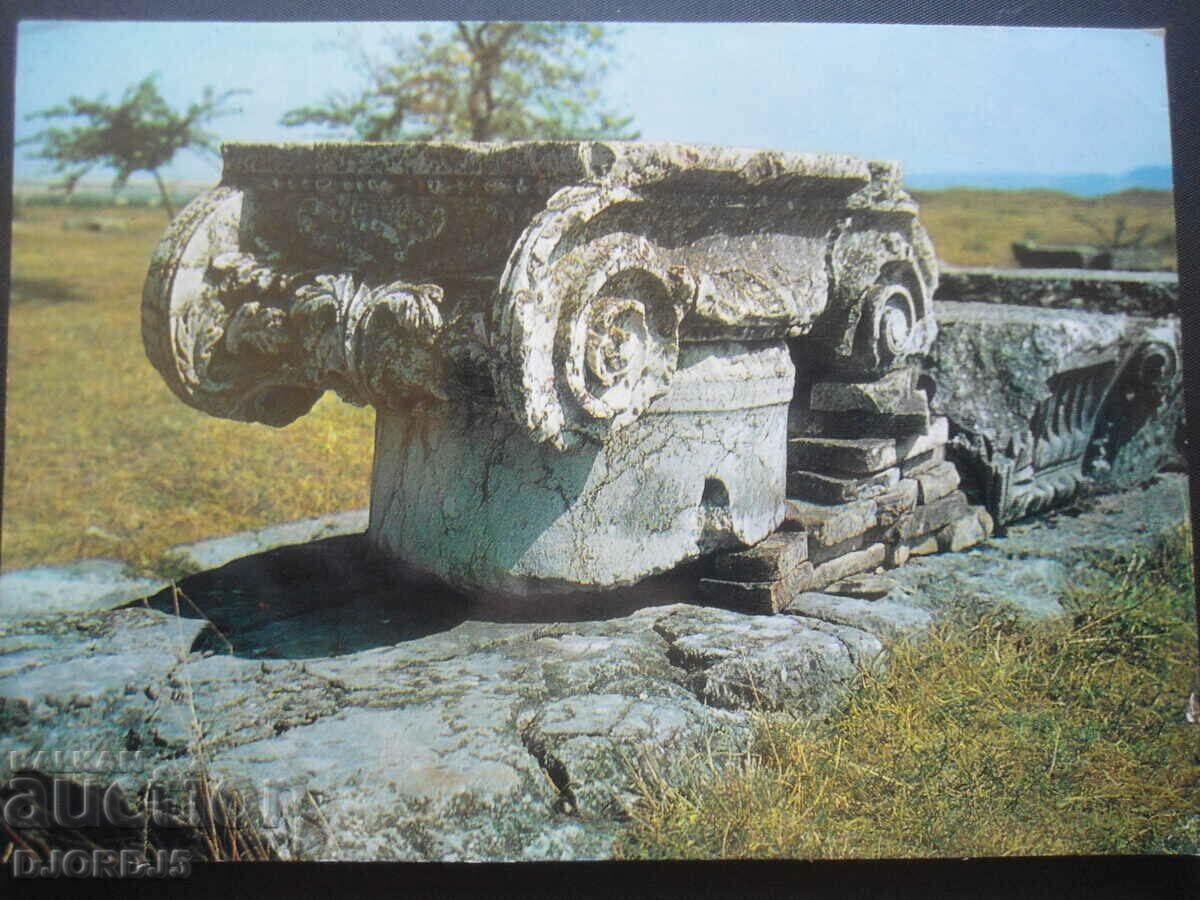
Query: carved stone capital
point(603, 337)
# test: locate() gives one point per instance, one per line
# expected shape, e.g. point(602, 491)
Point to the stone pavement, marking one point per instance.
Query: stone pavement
point(373, 719)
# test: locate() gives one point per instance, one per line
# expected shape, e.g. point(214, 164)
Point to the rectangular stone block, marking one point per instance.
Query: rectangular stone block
point(897, 502)
point(855, 563)
point(829, 489)
point(861, 424)
point(923, 462)
point(894, 393)
point(821, 553)
point(829, 525)
point(914, 445)
point(769, 560)
point(925, 546)
point(757, 598)
point(929, 518)
point(964, 532)
point(845, 456)
point(937, 482)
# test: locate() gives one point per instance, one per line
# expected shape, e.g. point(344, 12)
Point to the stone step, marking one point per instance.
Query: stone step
point(865, 560)
point(971, 528)
point(887, 618)
point(829, 489)
point(923, 462)
point(926, 519)
point(937, 482)
point(903, 426)
point(769, 560)
point(897, 502)
point(842, 456)
point(830, 525)
point(966, 531)
point(822, 553)
point(914, 445)
point(757, 598)
point(893, 393)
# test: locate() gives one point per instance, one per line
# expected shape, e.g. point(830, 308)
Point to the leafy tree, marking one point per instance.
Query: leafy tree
point(141, 133)
point(480, 81)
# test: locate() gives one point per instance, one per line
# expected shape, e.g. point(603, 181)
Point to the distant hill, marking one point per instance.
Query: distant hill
point(1086, 185)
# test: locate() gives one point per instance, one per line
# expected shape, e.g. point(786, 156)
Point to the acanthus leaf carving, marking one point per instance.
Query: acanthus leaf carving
point(373, 344)
point(238, 336)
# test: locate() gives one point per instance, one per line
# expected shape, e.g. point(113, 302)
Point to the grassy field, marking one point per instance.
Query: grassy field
point(101, 460)
point(994, 737)
point(977, 228)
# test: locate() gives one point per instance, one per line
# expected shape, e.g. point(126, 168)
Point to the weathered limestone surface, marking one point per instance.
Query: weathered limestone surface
point(1154, 294)
point(71, 587)
point(1039, 559)
point(594, 339)
point(372, 723)
point(469, 498)
point(1046, 402)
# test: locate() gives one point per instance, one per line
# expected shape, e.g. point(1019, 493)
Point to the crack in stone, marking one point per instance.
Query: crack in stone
point(837, 637)
point(554, 767)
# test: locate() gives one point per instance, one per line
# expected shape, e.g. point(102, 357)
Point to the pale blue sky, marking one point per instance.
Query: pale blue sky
point(935, 98)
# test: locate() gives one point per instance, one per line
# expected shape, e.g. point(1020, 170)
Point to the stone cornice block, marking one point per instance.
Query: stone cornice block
point(1136, 293)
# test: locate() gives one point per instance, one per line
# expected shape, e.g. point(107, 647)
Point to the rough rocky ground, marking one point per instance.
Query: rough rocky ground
point(372, 719)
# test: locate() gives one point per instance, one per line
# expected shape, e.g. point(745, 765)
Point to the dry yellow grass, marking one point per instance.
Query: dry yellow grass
point(992, 737)
point(978, 228)
point(100, 458)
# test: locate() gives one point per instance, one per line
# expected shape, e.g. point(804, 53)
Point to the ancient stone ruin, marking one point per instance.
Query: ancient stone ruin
point(593, 362)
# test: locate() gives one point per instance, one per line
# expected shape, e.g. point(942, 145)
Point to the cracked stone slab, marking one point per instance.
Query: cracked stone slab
point(1036, 562)
point(387, 781)
point(591, 740)
point(91, 584)
point(215, 552)
point(492, 740)
point(1109, 524)
point(882, 617)
point(775, 662)
point(88, 680)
